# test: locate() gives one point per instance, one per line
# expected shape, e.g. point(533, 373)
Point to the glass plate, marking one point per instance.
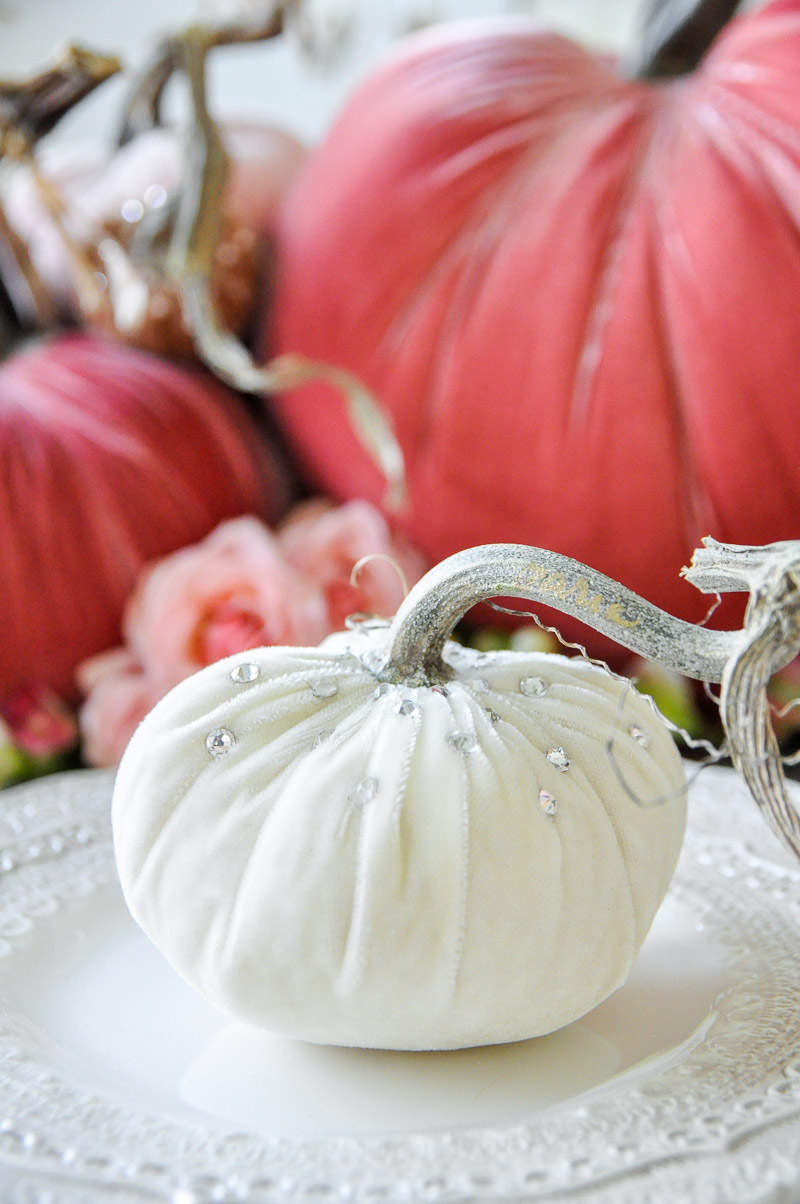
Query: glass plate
point(118, 1083)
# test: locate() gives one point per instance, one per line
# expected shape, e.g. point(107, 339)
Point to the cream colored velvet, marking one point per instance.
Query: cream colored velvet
point(449, 909)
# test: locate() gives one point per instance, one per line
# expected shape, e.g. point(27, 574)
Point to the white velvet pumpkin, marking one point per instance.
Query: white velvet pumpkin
point(396, 865)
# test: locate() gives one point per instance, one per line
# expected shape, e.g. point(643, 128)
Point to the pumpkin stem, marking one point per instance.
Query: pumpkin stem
point(25, 300)
point(676, 35)
point(743, 660)
point(142, 110)
point(9, 322)
point(434, 606)
point(32, 107)
point(29, 109)
point(190, 264)
point(771, 635)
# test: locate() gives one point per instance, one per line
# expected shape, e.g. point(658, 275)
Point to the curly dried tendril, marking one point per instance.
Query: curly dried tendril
point(355, 572)
point(773, 623)
point(196, 236)
point(31, 108)
point(715, 605)
point(743, 661)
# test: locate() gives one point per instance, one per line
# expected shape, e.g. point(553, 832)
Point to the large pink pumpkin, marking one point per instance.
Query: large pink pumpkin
point(578, 295)
point(109, 458)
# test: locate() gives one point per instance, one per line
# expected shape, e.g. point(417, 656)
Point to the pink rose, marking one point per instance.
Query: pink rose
point(240, 588)
point(119, 696)
point(232, 591)
point(39, 723)
point(324, 542)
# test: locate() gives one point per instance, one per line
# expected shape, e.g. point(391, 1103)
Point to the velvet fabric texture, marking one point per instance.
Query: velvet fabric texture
point(109, 458)
point(576, 293)
point(381, 869)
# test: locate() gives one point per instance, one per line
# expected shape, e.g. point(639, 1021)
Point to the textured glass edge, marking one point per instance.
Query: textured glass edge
point(741, 1079)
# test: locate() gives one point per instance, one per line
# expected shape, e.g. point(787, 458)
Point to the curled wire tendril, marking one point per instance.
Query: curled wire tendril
point(713, 754)
point(365, 560)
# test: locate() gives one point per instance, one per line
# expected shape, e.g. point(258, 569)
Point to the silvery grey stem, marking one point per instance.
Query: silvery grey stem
point(742, 660)
point(772, 638)
point(434, 606)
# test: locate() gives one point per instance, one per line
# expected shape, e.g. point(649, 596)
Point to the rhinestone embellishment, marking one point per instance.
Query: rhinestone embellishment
point(479, 684)
point(220, 741)
point(464, 741)
point(559, 759)
point(547, 802)
point(381, 690)
point(493, 715)
point(406, 706)
point(365, 791)
point(365, 622)
point(245, 673)
point(324, 687)
point(533, 687)
point(372, 659)
point(321, 737)
point(640, 735)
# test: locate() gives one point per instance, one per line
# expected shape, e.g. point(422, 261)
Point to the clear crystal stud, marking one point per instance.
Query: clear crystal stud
point(321, 737)
point(443, 690)
point(559, 759)
point(464, 741)
point(640, 735)
point(493, 715)
point(245, 673)
point(381, 690)
point(220, 741)
point(372, 659)
point(406, 706)
point(547, 802)
point(533, 687)
point(365, 791)
point(324, 687)
point(479, 684)
point(365, 622)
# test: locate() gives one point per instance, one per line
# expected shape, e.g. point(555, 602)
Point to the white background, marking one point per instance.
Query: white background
point(274, 80)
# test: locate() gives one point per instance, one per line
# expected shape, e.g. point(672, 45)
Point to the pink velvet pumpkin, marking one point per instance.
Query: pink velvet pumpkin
point(109, 458)
point(577, 294)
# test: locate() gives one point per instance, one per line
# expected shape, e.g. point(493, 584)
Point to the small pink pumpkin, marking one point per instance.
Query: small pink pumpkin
point(109, 458)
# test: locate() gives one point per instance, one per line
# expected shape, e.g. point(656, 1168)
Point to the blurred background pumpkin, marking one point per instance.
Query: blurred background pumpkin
point(109, 458)
point(576, 291)
point(559, 277)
